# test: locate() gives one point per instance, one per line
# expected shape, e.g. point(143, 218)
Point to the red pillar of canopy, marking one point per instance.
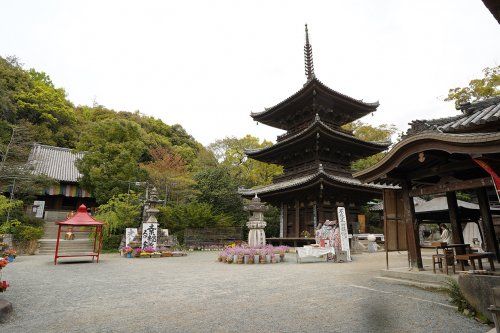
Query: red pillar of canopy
point(81, 219)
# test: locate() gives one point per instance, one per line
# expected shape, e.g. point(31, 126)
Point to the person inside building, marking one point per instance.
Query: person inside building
point(445, 234)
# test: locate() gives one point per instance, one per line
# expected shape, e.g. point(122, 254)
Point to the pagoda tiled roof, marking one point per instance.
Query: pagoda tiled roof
point(474, 115)
point(317, 122)
point(302, 180)
point(366, 105)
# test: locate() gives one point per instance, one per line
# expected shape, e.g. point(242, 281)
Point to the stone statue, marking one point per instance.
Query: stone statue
point(256, 223)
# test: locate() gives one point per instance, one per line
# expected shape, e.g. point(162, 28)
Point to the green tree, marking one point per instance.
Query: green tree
point(168, 171)
point(230, 152)
point(16, 176)
point(366, 132)
point(216, 187)
point(120, 212)
point(478, 89)
point(113, 149)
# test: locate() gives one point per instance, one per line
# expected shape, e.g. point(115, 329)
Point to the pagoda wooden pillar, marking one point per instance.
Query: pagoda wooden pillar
point(282, 224)
point(297, 219)
point(321, 213)
point(285, 219)
point(411, 228)
point(488, 230)
point(455, 220)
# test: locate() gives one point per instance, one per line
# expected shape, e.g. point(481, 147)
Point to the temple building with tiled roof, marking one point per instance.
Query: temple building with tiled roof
point(476, 117)
point(316, 153)
point(59, 164)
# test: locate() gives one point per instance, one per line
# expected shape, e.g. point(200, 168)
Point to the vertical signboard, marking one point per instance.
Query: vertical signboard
point(130, 234)
point(40, 206)
point(344, 233)
point(149, 234)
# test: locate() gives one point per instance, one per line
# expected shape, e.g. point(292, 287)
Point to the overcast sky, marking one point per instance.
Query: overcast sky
point(207, 64)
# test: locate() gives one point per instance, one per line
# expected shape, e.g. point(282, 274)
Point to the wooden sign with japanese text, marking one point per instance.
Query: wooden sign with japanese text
point(344, 233)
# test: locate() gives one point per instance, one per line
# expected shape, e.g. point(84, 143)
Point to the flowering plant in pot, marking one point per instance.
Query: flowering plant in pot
point(3, 263)
point(3, 286)
point(251, 256)
point(239, 255)
point(137, 252)
point(246, 255)
point(281, 251)
point(11, 254)
point(127, 250)
point(149, 249)
point(262, 256)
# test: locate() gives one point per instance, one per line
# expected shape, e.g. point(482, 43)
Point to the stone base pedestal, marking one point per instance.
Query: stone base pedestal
point(256, 237)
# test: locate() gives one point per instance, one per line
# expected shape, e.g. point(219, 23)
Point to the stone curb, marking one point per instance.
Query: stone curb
point(422, 285)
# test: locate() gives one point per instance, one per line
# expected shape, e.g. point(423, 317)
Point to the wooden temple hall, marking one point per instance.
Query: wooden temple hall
point(441, 157)
point(316, 153)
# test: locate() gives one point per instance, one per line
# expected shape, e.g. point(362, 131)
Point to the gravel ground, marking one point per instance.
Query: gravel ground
point(198, 294)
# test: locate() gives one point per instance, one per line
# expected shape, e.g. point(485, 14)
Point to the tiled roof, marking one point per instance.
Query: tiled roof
point(305, 179)
point(317, 120)
point(475, 114)
point(373, 105)
point(55, 162)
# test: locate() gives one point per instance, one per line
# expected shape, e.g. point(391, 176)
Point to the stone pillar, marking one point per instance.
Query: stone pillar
point(256, 223)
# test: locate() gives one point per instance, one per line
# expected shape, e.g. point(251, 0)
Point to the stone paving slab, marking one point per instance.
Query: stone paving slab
point(198, 294)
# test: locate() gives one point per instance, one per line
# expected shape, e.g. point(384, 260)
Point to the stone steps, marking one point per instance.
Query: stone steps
point(48, 246)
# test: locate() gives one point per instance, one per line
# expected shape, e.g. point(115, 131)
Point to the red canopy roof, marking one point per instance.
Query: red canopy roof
point(81, 218)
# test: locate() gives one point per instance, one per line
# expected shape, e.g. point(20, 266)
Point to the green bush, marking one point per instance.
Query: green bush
point(120, 212)
point(28, 232)
point(191, 215)
point(111, 242)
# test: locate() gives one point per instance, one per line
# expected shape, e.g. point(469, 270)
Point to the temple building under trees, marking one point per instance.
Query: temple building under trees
point(316, 154)
point(59, 164)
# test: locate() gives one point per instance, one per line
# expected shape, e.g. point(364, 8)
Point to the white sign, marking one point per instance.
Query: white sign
point(344, 233)
point(130, 234)
point(40, 206)
point(149, 234)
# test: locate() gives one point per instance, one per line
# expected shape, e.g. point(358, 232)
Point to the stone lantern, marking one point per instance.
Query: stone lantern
point(149, 228)
point(256, 223)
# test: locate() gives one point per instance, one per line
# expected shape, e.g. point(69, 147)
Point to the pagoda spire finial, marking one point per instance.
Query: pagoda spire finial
point(308, 58)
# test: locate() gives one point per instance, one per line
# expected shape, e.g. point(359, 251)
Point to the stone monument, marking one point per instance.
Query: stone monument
point(256, 223)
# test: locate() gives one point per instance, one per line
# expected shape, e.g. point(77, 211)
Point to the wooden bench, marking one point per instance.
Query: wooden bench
point(476, 256)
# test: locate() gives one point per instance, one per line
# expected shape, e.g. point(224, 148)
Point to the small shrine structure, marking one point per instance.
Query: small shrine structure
point(316, 153)
point(80, 222)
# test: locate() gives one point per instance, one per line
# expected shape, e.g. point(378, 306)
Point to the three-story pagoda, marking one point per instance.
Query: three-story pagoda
point(316, 154)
